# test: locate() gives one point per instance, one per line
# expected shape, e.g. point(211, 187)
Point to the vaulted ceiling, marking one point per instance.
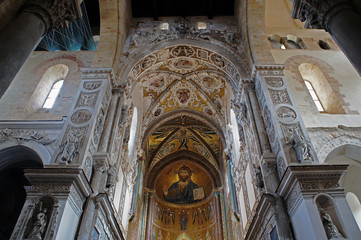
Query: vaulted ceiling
point(184, 91)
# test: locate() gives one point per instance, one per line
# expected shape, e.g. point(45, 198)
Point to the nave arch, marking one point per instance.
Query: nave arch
point(349, 153)
point(183, 96)
point(13, 160)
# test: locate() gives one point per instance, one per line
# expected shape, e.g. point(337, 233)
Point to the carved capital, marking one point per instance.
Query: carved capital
point(317, 13)
point(55, 14)
point(100, 164)
point(305, 181)
point(249, 87)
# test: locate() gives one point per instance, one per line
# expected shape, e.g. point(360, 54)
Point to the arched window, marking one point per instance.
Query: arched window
point(276, 41)
point(164, 26)
point(201, 25)
point(235, 134)
point(132, 135)
point(314, 96)
point(355, 206)
point(288, 42)
point(321, 88)
point(50, 77)
point(53, 94)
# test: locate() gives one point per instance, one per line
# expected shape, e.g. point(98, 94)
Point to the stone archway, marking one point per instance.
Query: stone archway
point(183, 95)
point(349, 153)
point(12, 181)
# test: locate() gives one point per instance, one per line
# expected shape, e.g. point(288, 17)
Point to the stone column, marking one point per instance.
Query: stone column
point(19, 39)
point(109, 123)
point(148, 232)
point(231, 185)
point(88, 221)
point(261, 130)
point(339, 18)
point(54, 201)
point(218, 208)
point(311, 192)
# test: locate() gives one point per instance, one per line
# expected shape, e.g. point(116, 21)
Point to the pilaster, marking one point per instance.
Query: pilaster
point(83, 128)
point(310, 192)
point(53, 205)
point(106, 224)
point(286, 132)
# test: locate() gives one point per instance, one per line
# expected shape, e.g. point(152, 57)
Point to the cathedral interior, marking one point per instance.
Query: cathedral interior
point(180, 120)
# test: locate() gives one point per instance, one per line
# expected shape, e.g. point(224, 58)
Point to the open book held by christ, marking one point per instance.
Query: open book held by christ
point(198, 193)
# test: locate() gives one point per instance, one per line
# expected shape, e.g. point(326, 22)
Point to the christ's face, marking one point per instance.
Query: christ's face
point(183, 175)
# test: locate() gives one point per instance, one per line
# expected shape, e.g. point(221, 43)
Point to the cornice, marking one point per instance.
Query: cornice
point(60, 176)
point(267, 70)
point(308, 180)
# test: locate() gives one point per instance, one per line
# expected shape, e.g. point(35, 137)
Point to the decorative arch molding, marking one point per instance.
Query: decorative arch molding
point(19, 155)
point(333, 144)
point(183, 155)
point(195, 96)
point(292, 64)
point(240, 69)
point(148, 130)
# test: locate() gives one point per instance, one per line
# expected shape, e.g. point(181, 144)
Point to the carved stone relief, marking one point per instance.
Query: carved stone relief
point(325, 140)
point(81, 116)
point(180, 52)
point(88, 167)
point(87, 99)
point(38, 223)
point(111, 182)
point(281, 167)
point(71, 144)
point(25, 135)
point(286, 113)
point(275, 82)
point(269, 125)
point(260, 95)
point(99, 125)
point(288, 130)
point(223, 34)
point(279, 97)
point(92, 85)
point(122, 198)
point(302, 146)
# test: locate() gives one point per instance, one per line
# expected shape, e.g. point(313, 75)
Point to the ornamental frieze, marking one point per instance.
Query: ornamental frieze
point(24, 135)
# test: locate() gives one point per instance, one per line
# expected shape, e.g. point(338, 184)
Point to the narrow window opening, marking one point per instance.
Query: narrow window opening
point(314, 96)
point(324, 45)
point(202, 25)
point(53, 94)
point(164, 26)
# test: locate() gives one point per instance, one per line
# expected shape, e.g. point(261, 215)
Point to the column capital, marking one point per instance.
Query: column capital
point(101, 162)
point(308, 180)
point(317, 13)
point(249, 87)
point(54, 14)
